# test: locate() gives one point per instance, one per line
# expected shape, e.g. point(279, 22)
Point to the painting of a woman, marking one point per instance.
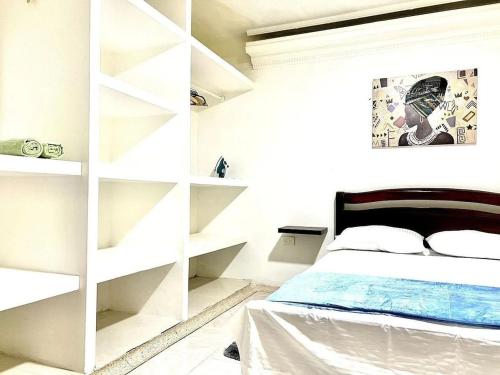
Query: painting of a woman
point(420, 102)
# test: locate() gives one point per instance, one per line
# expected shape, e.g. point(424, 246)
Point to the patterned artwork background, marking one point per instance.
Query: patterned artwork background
point(455, 115)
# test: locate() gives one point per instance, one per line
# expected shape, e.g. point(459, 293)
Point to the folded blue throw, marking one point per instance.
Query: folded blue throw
point(455, 303)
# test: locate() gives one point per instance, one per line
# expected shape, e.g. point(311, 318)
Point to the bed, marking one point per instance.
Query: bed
point(284, 338)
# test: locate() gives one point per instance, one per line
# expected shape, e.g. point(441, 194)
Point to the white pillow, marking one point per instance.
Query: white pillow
point(466, 243)
point(379, 238)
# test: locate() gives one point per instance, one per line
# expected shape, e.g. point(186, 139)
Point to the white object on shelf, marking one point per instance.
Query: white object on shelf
point(204, 243)
point(115, 262)
point(214, 75)
point(118, 332)
point(109, 172)
point(205, 292)
point(21, 287)
point(12, 165)
point(120, 99)
point(128, 26)
point(216, 181)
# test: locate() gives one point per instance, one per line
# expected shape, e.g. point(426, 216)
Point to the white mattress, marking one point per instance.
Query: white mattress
point(284, 339)
point(412, 266)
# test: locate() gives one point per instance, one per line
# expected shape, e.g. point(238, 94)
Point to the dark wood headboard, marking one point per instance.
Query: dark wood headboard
point(424, 210)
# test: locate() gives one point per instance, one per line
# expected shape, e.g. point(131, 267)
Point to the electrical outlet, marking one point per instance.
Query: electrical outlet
point(288, 240)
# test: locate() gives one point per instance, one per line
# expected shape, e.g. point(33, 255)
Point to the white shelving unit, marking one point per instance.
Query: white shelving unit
point(134, 218)
point(44, 202)
point(23, 287)
point(138, 250)
point(215, 234)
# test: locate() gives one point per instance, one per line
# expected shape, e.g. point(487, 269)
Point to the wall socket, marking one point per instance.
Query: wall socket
point(288, 241)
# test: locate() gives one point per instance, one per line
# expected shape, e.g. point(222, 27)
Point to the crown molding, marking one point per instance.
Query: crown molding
point(457, 26)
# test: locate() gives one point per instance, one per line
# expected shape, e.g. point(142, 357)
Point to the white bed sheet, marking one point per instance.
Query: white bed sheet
point(283, 339)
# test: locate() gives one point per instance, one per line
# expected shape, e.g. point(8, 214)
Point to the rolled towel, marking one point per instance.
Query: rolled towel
point(51, 151)
point(21, 147)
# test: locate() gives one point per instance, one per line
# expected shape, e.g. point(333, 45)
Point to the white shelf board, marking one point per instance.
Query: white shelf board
point(118, 332)
point(23, 287)
point(204, 243)
point(205, 292)
point(109, 172)
point(21, 165)
point(128, 26)
point(213, 74)
point(114, 262)
point(17, 366)
point(216, 181)
point(120, 99)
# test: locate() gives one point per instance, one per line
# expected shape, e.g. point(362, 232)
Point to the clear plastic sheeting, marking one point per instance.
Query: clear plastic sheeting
point(285, 339)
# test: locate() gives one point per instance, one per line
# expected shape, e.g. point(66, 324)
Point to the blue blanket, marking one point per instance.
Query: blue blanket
point(454, 303)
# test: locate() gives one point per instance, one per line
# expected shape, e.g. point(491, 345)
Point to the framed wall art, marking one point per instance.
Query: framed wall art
point(425, 109)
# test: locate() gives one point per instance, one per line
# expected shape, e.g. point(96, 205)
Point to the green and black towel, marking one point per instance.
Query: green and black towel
point(21, 147)
point(51, 151)
point(31, 148)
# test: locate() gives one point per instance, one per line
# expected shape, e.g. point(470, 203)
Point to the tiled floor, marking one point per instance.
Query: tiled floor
point(201, 353)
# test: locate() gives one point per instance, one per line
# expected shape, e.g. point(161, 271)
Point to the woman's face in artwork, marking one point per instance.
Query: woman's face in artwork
point(412, 117)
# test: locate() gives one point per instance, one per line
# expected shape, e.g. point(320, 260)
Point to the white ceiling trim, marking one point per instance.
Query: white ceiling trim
point(473, 24)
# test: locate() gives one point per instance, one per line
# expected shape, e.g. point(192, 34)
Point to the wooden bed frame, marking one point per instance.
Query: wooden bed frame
point(413, 210)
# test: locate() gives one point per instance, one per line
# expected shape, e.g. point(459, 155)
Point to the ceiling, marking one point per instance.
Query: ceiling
point(274, 12)
point(222, 24)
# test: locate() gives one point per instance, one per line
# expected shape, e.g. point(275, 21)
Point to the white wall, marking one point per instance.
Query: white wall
point(305, 133)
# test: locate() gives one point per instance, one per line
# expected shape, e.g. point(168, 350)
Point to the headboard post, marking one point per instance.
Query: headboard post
point(339, 209)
